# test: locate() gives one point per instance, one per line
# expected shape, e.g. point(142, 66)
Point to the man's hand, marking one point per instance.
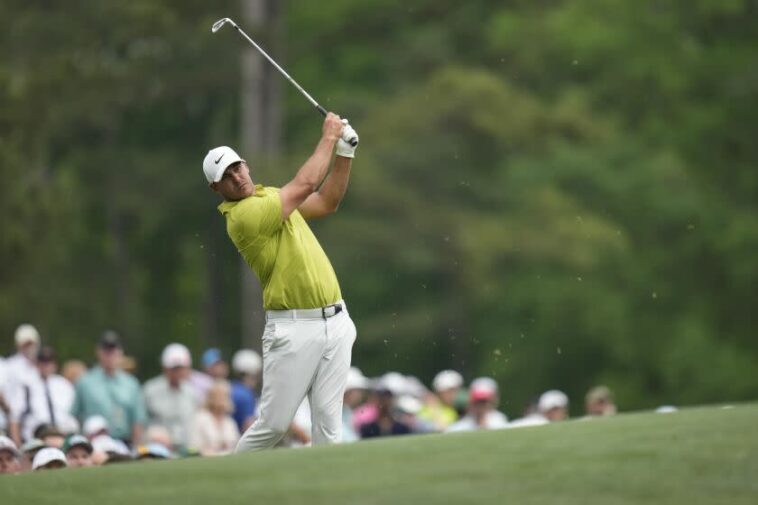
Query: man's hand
point(333, 126)
point(348, 142)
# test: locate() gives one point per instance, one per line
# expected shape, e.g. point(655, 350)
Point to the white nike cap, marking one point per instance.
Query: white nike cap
point(217, 161)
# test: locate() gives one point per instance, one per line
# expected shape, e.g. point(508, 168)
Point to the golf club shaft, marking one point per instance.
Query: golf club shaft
point(280, 69)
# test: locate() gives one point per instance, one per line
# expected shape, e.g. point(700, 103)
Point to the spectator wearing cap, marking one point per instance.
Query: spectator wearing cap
point(482, 411)
point(214, 432)
point(439, 408)
point(44, 398)
point(50, 435)
point(599, 402)
point(553, 405)
point(169, 398)
point(104, 446)
point(214, 369)
point(247, 365)
point(21, 368)
point(49, 458)
point(28, 451)
point(78, 451)
point(10, 457)
point(355, 392)
point(387, 388)
point(107, 391)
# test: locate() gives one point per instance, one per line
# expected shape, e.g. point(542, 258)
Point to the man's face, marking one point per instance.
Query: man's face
point(9, 463)
point(557, 414)
point(447, 396)
point(479, 408)
point(218, 370)
point(354, 397)
point(46, 368)
point(176, 375)
point(236, 183)
point(29, 349)
point(109, 357)
point(78, 457)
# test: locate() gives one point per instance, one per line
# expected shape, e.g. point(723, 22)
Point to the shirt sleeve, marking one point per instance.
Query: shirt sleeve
point(255, 217)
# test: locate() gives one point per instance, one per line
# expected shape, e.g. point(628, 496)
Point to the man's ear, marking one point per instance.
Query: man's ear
point(213, 187)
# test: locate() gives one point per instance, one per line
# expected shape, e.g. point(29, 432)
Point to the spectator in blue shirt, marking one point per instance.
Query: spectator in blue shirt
point(247, 365)
point(108, 391)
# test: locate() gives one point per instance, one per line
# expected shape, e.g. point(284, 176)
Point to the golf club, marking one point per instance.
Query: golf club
point(221, 22)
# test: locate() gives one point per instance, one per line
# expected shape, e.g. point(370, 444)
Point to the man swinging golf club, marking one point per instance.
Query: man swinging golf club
point(309, 335)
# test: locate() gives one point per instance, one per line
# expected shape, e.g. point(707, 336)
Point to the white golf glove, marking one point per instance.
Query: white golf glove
point(349, 141)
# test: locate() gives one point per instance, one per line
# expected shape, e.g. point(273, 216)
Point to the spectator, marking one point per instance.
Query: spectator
point(157, 434)
point(214, 432)
point(28, 451)
point(72, 370)
point(599, 402)
point(22, 365)
point(355, 392)
point(78, 451)
point(10, 457)
point(108, 391)
point(50, 436)
point(169, 398)
point(554, 405)
point(4, 410)
point(439, 409)
point(482, 410)
point(247, 366)
point(385, 423)
point(214, 368)
point(43, 398)
point(21, 368)
point(152, 451)
point(49, 458)
point(104, 446)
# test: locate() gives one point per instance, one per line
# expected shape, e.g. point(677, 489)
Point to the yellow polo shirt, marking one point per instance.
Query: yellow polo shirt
point(285, 255)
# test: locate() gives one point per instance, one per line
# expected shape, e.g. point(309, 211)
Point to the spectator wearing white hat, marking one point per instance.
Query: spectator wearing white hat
point(49, 458)
point(355, 392)
point(78, 451)
point(95, 429)
point(553, 405)
point(247, 366)
point(10, 457)
point(45, 398)
point(214, 432)
point(21, 368)
point(482, 411)
point(107, 391)
point(439, 408)
point(169, 399)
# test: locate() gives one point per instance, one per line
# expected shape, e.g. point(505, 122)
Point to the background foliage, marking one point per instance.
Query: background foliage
point(554, 193)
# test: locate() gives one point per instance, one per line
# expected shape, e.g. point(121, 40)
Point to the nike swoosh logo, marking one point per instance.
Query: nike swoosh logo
point(219, 158)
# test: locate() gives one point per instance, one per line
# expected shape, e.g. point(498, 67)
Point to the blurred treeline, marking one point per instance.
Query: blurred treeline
point(554, 193)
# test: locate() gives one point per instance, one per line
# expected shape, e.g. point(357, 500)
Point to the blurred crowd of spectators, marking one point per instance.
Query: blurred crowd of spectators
point(101, 415)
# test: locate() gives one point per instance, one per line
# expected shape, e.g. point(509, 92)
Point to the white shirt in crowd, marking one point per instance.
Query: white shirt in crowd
point(31, 400)
point(3, 420)
point(535, 419)
point(212, 436)
point(494, 420)
point(170, 407)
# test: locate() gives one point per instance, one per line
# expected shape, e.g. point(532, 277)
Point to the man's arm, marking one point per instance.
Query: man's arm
point(327, 199)
point(310, 175)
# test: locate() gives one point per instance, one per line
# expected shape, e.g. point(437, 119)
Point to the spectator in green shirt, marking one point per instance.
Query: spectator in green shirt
point(108, 391)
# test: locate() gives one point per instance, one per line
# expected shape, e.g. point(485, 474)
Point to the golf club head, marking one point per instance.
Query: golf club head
point(221, 22)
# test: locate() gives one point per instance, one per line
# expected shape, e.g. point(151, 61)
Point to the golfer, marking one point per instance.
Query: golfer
point(309, 335)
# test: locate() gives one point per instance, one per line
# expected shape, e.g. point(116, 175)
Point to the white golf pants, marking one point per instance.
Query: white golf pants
point(302, 356)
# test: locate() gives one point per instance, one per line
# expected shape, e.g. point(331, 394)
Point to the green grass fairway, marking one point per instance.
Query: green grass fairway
point(699, 455)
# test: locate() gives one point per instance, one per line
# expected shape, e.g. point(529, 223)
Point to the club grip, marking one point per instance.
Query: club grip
point(321, 110)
